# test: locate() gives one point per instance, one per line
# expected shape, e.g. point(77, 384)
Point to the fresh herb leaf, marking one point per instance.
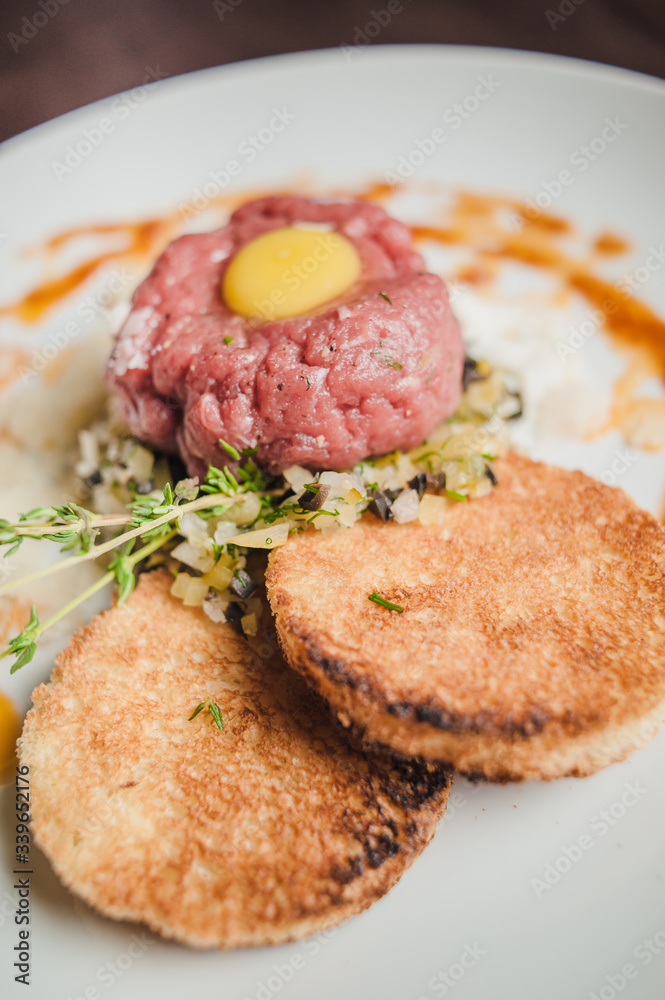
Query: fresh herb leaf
point(39, 514)
point(252, 477)
point(235, 485)
point(384, 296)
point(10, 536)
point(216, 713)
point(454, 495)
point(214, 710)
point(220, 481)
point(147, 509)
point(384, 603)
point(23, 646)
point(323, 513)
point(228, 340)
point(387, 360)
point(270, 516)
point(25, 657)
point(122, 568)
point(230, 450)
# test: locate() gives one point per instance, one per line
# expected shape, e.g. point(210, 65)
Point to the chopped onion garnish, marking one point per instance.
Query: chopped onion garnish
point(263, 538)
point(405, 507)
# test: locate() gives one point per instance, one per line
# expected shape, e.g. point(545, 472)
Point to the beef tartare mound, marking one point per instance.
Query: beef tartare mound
point(371, 370)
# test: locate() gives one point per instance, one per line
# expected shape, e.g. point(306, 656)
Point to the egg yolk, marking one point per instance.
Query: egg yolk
point(289, 272)
point(10, 729)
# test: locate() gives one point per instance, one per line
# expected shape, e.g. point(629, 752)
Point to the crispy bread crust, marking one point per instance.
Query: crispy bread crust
point(266, 832)
point(533, 640)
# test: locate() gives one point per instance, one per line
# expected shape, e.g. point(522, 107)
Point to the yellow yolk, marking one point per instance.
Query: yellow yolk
point(289, 272)
point(10, 729)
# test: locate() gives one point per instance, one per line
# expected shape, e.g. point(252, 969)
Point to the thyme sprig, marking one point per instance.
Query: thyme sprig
point(71, 525)
point(145, 523)
point(121, 569)
point(154, 519)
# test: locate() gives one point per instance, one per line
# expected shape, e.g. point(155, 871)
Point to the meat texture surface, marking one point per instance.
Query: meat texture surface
point(370, 372)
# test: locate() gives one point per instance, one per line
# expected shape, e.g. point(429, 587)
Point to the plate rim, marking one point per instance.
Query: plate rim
point(544, 63)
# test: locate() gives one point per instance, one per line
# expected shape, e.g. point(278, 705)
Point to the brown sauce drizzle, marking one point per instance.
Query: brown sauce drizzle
point(141, 239)
point(609, 243)
point(478, 221)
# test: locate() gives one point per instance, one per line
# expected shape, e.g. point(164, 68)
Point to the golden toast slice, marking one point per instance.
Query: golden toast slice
point(265, 832)
point(532, 641)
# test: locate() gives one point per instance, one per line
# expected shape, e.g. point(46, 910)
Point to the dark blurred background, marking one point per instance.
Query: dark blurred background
point(61, 54)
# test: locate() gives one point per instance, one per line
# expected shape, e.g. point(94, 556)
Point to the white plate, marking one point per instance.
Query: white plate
point(469, 912)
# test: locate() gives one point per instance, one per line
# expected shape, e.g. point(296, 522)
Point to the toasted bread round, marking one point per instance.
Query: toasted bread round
point(532, 644)
point(265, 832)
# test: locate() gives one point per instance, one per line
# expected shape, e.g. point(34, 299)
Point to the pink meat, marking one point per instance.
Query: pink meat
point(362, 377)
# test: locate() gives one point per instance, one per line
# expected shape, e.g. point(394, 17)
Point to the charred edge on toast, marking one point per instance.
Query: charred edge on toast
point(434, 715)
point(359, 740)
point(411, 783)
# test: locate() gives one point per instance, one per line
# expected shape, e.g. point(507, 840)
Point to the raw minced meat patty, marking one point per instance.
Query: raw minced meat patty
point(361, 377)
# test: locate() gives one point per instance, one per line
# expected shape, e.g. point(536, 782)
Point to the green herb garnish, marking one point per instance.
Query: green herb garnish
point(384, 603)
point(228, 340)
point(25, 644)
point(214, 710)
point(384, 296)
point(147, 518)
point(322, 513)
point(387, 359)
point(230, 450)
